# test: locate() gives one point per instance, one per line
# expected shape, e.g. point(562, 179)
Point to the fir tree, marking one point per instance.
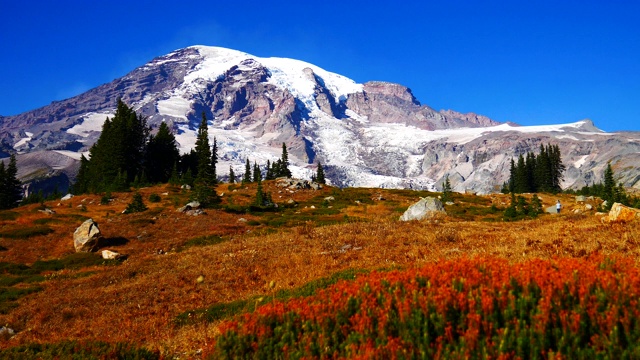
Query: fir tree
point(320, 175)
point(284, 165)
point(609, 186)
point(214, 160)
point(204, 185)
point(257, 176)
point(446, 190)
point(247, 173)
point(162, 155)
point(269, 174)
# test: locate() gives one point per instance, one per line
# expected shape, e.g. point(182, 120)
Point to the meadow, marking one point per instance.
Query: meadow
point(331, 272)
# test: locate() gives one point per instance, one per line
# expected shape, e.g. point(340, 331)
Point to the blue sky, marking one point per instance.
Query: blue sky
point(537, 63)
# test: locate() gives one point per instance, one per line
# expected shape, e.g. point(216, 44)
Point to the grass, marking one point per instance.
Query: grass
point(79, 350)
point(141, 301)
point(26, 232)
point(227, 310)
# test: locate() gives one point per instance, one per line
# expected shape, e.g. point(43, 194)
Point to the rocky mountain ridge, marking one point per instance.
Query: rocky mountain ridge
point(375, 134)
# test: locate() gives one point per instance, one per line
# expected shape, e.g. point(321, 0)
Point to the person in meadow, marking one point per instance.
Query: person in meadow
point(558, 207)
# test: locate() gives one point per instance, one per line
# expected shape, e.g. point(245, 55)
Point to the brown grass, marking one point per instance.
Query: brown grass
point(138, 300)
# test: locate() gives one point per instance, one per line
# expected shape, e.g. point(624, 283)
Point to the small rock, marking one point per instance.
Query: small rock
point(66, 197)
point(312, 207)
point(580, 199)
point(200, 279)
point(449, 203)
point(6, 331)
point(165, 194)
point(111, 255)
point(588, 207)
point(329, 198)
point(47, 211)
point(186, 187)
point(242, 220)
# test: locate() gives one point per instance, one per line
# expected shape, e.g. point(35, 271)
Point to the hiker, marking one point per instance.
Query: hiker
point(558, 206)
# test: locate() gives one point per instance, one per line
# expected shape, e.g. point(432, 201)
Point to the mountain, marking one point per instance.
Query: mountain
point(375, 134)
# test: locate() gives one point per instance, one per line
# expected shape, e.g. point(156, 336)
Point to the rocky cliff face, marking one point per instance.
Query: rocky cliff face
point(373, 134)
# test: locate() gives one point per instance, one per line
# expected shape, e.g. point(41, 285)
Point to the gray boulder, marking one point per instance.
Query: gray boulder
point(87, 237)
point(423, 209)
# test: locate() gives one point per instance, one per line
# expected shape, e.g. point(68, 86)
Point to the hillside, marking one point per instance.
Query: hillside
point(228, 261)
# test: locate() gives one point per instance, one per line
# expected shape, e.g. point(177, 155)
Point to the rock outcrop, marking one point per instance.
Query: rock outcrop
point(87, 237)
point(425, 208)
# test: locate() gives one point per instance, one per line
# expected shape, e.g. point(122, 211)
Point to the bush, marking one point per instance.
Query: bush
point(136, 204)
point(26, 232)
point(154, 198)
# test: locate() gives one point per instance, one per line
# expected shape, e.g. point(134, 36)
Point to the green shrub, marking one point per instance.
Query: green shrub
point(154, 198)
point(8, 215)
point(206, 240)
point(136, 204)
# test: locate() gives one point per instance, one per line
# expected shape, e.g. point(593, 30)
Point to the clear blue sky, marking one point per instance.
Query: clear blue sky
point(537, 63)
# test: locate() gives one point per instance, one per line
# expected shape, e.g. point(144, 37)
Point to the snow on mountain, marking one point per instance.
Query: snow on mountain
point(375, 134)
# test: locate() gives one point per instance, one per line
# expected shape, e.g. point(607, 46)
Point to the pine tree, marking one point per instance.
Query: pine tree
point(214, 161)
point(232, 175)
point(257, 176)
point(269, 174)
point(512, 177)
point(136, 204)
point(11, 185)
point(161, 155)
point(284, 165)
point(520, 185)
point(320, 175)
point(446, 190)
point(247, 173)
point(609, 185)
point(204, 185)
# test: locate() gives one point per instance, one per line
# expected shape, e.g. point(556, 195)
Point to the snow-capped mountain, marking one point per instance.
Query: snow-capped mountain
point(375, 134)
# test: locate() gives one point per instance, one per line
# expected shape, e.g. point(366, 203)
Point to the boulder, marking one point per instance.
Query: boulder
point(111, 255)
point(588, 207)
point(621, 213)
point(87, 237)
point(551, 210)
point(329, 198)
point(67, 197)
point(580, 199)
point(423, 209)
point(194, 205)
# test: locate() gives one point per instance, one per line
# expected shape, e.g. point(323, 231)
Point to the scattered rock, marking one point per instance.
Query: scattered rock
point(186, 187)
point(242, 220)
point(423, 209)
point(47, 211)
point(621, 213)
point(312, 207)
point(192, 208)
point(87, 237)
point(200, 279)
point(165, 194)
point(449, 203)
point(329, 198)
point(580, 199)
point(293, 184)
point(588, 207)
point(66, 197)
point(6, 331)
point(291, 201)
point(111, 255)
point(378, 197)
point(577, 211)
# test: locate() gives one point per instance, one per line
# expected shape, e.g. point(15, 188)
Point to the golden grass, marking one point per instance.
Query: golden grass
point(138, 300)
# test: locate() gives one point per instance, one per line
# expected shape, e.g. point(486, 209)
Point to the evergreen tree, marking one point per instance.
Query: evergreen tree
point(11, 186)
point(557, 168)
point(81, 185)
point(257, 176)
point(232, 175)
point(520, 185)
point(536, 206)
point(120, 149)
point(446, 190)
point(320, 175)
point(269, 174)
point(247, 173)
point(162, 155)
point(609, 186)
point(512, 177)
point(204, 185)
point(284, 165)
point(214, 160)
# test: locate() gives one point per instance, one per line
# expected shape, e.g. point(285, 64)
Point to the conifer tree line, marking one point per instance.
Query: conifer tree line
point(10, 186)
point(610, 191)
point(536, 173)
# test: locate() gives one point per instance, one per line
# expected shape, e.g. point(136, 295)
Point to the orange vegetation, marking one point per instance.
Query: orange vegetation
point(138, 300)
